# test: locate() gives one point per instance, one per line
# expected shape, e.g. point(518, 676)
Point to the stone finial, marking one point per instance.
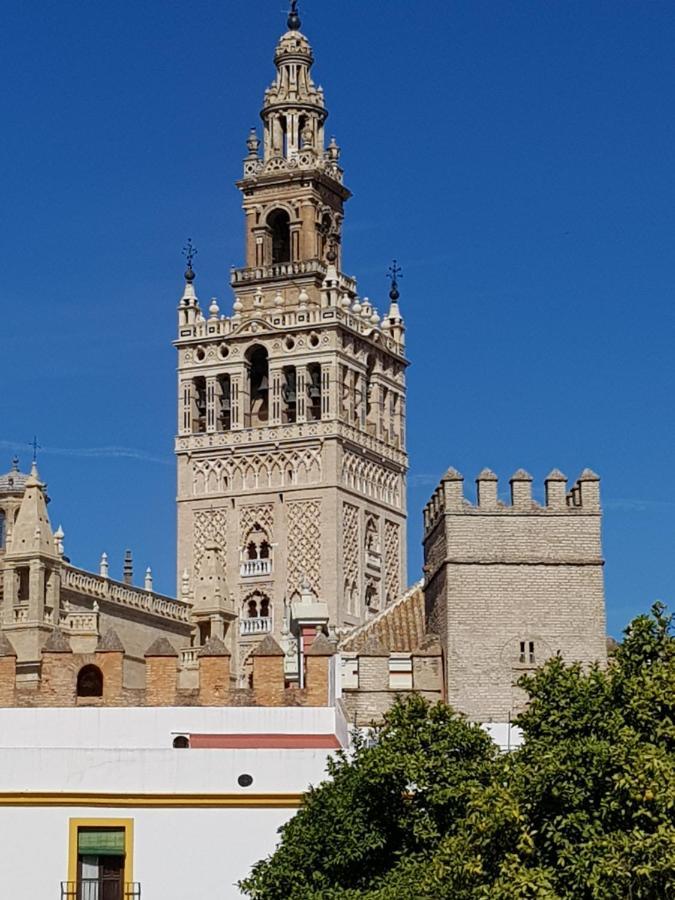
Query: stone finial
point(521, 489)
point(148, 579)
point(556, 489)
point(161, 647)
point(110, 643)
point(59, 536)
point(214, 309)
point(486, 489)
point(321, 646)
point(6, 648)
point(268, 647)
point(453, 475)
point(212, 648)
point(588, 487)
point(104, 566)
point(57, 642)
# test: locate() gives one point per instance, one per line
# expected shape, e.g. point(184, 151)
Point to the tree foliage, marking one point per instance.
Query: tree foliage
point(584, 810)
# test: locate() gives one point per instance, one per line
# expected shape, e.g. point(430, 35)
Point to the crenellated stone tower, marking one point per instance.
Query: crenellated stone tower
point(291, 423)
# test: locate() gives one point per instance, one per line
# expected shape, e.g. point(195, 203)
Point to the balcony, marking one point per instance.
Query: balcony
point(95, 889)
point(256, 626)
point(256, 568)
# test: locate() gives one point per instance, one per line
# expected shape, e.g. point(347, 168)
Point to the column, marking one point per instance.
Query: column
point(301, 388)
point(36, 591)
point(327, 390)
point(276, 381)
point(185, 408)
point(235, 401)
point(211, 396)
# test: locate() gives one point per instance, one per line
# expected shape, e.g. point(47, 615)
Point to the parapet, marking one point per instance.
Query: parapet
point(449, 496)
point(68, 678)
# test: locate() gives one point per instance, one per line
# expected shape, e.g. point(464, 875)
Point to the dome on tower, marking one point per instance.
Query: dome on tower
point(14, 482)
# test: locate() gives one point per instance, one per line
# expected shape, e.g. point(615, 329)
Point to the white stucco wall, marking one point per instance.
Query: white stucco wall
point(184, 852)
point(191, 854)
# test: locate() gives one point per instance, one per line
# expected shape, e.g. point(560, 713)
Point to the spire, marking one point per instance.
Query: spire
point(32, 531)
point(294, 23)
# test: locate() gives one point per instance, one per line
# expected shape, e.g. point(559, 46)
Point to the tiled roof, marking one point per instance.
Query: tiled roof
point(400, 628)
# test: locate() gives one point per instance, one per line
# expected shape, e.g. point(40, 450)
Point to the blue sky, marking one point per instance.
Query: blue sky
point(517, 157)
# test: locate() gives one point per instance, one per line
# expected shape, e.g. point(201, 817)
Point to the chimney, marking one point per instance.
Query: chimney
point(128, 577)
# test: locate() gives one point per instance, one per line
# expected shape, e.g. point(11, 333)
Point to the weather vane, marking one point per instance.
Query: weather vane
point(395, 272)
point(294, 22)
point(34, 444)
point(189, 252)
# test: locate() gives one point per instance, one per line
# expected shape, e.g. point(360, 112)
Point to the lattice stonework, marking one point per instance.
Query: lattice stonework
point(262, 514)
point(351, 542)
point(209, 525)
point(392, 561)
point(304, 545)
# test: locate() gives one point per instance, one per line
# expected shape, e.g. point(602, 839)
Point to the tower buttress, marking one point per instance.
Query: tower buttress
point(291, 420)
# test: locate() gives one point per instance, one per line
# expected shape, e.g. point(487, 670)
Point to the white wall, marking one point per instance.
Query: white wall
point(191, 854)
point(154, 726)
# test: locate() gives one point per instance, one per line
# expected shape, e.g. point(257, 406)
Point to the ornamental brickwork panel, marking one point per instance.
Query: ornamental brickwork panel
point(249, 516)
point(210, 525)
point(304, 545)
point(392, 561)
point(351, 538)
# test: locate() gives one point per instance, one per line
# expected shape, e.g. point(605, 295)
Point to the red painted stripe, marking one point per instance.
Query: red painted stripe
point(264, 742)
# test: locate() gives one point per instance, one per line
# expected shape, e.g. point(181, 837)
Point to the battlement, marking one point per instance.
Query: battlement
point(449, 497)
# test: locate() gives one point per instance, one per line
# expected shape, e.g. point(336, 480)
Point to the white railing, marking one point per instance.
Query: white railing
point(20, 613)
point(106, 589)
point(256, 568)
point(189, 657)
point(82, 623)
point(256, 626)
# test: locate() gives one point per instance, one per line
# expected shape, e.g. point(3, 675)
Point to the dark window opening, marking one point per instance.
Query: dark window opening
point(225, 411)
point(199, 412)
point(181, 742)
point(289, 395)
point(260, 385)
point(23, 584)
point(314, 393)
point(279, 223)
point(90, 682)
point(204, 632)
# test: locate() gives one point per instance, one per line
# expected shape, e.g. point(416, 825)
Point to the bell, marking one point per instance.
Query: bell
point(289, 395)
point(264, 384)
point(314, 392)
point(225, 405)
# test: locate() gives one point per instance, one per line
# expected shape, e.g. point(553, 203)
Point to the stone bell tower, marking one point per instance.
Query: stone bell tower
point(291, 427)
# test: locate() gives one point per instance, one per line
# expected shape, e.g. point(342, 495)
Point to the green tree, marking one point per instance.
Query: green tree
point(584, 809)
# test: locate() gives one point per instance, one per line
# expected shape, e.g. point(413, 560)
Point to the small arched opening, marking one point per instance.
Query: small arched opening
point(90, 682)
point(314, 391)
point(259, 385)
point(279, 224)
point(181, 742)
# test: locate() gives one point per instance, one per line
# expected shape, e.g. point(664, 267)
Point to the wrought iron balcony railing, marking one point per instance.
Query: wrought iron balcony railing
point(95, 889)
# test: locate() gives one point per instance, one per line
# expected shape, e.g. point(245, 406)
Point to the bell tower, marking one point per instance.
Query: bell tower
point(291, 410)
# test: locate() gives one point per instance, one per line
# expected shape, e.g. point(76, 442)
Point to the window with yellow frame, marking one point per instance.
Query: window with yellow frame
point(101, 860)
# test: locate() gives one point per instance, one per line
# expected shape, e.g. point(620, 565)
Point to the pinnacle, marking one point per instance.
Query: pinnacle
point(212, 648)
point(57, 642)
point(110, 643)
point(161, 647)
point(268, 647)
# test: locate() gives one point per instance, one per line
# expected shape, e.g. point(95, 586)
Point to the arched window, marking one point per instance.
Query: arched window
point(90, 682)
point(181, 742)
point(314, 393)
point(279, 223)
point(257, 606)
point(259, 384)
